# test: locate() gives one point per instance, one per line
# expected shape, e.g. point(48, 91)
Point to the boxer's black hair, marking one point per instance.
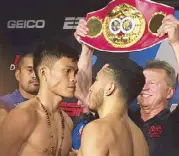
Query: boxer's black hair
point(129, 77)
point(50, 51)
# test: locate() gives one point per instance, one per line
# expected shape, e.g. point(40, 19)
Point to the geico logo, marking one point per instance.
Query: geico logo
point(71, 22)
point(26, 24)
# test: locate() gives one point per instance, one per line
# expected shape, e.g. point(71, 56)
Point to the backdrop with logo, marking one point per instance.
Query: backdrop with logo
point(25, 23)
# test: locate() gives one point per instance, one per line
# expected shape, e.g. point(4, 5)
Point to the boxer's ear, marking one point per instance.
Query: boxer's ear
point(109, 89)
point(17, 74)
point(43, 72)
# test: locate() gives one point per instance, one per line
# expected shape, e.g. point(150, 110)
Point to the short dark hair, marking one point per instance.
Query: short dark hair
point(50, 51)
point(129, 77)
point(169, 70)
point(21, 60)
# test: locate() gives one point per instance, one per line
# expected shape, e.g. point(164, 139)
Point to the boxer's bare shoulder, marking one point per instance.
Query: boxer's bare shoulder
point(112, 136)
point(15, 130)
point(32, 103)
point(94, 140)
point(139, 141)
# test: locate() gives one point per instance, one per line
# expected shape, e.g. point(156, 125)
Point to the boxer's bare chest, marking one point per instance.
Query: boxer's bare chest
point(51, 136)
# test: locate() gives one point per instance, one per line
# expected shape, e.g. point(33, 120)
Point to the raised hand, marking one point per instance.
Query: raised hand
point(81, 30)
point(84, 77)
point(170, 26)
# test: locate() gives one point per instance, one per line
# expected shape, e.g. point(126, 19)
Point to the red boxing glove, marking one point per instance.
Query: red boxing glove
point(126, 25)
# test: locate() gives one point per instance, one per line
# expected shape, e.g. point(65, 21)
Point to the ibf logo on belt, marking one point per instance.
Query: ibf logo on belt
point(24, 24)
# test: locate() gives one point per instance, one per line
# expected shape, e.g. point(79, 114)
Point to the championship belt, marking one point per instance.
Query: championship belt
point(126, 25)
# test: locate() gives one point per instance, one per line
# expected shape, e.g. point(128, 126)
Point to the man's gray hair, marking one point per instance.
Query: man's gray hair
point(170, 71)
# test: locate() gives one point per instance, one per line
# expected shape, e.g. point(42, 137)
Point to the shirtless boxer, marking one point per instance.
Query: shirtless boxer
point(114, 134)
point(38, 127)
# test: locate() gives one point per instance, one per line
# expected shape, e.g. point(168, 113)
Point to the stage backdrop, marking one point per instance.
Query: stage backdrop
point(26, 23)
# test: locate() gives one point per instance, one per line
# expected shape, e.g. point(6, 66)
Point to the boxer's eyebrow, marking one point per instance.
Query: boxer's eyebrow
point(73, 68)
point(29, 67)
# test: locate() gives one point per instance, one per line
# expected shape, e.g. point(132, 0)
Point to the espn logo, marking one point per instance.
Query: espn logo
point(71, 22)
point(72, 109)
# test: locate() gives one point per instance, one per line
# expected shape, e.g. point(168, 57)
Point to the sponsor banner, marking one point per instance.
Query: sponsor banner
point(22, 24)
point(72, 109)
point(71, 22)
